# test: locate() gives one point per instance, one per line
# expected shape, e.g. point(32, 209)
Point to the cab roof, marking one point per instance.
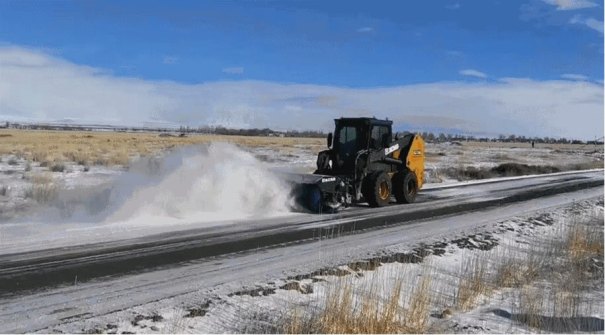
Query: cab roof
point(363, 120)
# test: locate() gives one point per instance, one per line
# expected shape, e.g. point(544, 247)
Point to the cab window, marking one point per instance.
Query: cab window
point(347, 135)
point(347, 148)
point(380, 137)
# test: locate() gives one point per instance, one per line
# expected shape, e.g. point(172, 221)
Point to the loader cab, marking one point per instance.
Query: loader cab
point(352, 135)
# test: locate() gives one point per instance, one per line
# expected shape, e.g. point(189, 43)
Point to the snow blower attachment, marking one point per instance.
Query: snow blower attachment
point(364, 162)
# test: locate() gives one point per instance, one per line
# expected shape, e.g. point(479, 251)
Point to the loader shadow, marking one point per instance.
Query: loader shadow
point(555, 324)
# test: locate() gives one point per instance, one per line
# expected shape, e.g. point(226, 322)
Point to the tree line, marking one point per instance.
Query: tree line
point(428, 136)
point(182, 130)
point(443, 137)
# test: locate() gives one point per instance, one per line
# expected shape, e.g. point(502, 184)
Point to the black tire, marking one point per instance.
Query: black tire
point(405, 187)
point(377, 189)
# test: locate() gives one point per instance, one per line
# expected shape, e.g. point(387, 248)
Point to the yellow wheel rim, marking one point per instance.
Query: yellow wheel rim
point(383, 190)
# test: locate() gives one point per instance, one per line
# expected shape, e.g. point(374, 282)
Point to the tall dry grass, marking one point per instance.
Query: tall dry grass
point(472, 283)
point(516, 268)
point(567, 267)
point(117, 148)
point(584, 241)
point(346, 309)
point(417, 314)
point(42, 188)
point(531, 306)
point(548, 278)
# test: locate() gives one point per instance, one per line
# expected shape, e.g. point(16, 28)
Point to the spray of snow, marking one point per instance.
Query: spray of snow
point(215, 183)
point(207, 186)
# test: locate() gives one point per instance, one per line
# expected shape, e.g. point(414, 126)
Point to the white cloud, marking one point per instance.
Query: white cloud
point(472, 73)
point(168, 60)
point(571, 4)
point(453, 6)
point(573, 76)
point(594, 24)
point(37, 87)
point(234, 70)
point(589, 22)
point(454, 53)
point(365, 30)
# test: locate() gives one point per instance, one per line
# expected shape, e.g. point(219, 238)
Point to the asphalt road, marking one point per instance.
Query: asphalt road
point(30, 271)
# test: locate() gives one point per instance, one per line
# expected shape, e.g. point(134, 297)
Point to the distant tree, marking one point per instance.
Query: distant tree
point(511, 138)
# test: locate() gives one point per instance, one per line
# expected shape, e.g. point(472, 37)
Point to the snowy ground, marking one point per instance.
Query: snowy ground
point(209, 186)
point(255, 311)
point(445, 261)
point(26, 186)
point(198, 187)
point(444, 160)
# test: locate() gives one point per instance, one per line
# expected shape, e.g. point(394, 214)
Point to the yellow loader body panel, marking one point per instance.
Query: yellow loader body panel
point(415, 159)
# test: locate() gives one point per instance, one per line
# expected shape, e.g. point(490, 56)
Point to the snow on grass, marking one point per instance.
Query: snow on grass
point(24, 179)
point(445, 163)
point(527, 279)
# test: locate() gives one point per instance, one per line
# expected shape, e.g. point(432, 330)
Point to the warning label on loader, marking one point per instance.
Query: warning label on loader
point(391, 149)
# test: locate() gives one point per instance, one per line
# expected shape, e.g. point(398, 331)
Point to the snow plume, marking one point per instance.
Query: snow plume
point(219, 182)
point(196, 185)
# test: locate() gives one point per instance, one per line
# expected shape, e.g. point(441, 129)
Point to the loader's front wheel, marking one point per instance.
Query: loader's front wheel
point(377, 189)
point(405, 187)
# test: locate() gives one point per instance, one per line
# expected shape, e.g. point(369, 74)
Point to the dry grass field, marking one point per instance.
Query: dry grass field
point(55, 151)
point(480, 160)
point(522, 145)
point(116, 148)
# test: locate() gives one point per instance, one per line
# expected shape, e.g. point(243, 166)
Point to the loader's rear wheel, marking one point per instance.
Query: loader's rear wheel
point(377, 189)
point(405, 187)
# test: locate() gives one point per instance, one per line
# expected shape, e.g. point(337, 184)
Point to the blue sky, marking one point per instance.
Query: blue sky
point(352, 43)
point(336, 46)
